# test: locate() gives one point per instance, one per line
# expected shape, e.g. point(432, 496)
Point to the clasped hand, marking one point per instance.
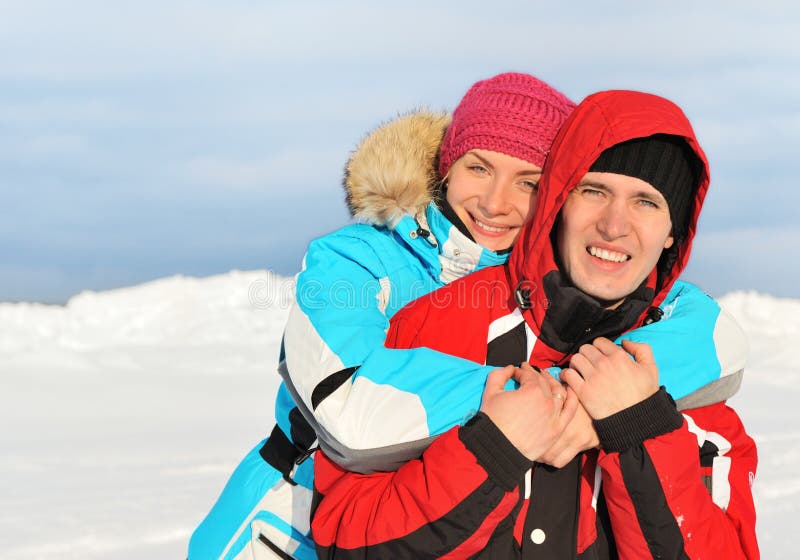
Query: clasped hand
point(607, 380)
point(551, 423)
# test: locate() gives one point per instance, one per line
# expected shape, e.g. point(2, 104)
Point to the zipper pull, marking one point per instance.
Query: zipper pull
point(305, 455)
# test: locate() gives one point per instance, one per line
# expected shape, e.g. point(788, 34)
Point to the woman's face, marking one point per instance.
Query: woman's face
point(493, 194)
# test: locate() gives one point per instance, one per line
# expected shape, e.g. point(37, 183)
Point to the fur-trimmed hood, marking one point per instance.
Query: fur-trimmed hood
point(392, 172)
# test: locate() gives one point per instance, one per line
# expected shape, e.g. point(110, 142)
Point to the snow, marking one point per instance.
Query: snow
point(125, 411)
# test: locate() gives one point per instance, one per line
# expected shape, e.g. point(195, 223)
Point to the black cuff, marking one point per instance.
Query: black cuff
point(654, 416)
point(494, 452)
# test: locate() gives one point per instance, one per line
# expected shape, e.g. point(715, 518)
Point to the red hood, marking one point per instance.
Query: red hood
point(599, 122)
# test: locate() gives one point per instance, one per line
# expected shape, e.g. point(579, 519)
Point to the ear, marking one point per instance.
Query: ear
point(668, 243)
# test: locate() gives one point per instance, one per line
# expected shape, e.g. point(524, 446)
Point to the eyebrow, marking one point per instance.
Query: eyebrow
point(488, 164)
point(585, 183)
point(656, 197)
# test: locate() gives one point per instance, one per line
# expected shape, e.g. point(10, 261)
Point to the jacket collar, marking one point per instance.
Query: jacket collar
point(446, 251)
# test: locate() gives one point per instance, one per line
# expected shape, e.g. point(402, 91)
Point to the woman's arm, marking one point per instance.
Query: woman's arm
point(364, 399)
point(700, 350)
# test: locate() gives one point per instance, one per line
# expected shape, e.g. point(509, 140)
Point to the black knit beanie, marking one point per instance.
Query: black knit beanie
point(666, 162)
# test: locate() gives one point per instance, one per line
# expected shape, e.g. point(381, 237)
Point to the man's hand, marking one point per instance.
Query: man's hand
point(535, 414)
point(605, 378)
point(579, 435)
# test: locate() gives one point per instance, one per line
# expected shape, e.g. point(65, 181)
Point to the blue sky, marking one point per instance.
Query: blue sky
point(143, 140)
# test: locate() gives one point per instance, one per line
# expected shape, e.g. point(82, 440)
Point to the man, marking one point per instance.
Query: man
point(617, 210)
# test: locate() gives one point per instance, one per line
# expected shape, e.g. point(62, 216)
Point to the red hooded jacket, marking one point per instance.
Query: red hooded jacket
point(675, 486)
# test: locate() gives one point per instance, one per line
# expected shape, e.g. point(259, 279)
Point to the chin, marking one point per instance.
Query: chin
point(609, 297)
point(601, 293)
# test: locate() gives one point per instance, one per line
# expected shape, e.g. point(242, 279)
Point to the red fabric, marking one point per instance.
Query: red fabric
point(360, 510)
point(707, 530)
point(587, 527)
point(477, 541)
point(476, 301)
point(519, 524)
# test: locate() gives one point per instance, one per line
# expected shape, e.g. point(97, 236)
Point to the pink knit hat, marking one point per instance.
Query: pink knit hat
point(514, 114)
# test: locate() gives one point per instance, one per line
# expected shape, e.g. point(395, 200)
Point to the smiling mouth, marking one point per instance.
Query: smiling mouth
point(488, 228)
point(606, 255)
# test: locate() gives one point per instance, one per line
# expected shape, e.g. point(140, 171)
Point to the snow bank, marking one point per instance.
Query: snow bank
point(125, 411)
point(213, 318)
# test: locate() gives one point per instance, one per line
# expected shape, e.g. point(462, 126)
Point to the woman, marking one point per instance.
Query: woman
point(420, 233)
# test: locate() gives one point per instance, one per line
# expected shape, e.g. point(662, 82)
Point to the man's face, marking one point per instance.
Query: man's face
point(612, 231)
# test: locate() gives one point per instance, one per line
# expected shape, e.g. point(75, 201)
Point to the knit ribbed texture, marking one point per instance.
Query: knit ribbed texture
point(664, 161)
point(494, 452)
point(654, 416)
point(514, 114)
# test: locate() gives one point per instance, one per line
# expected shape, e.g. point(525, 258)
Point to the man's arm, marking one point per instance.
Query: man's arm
point(451, 499)
point(448, 501)
point(676, 486)
point(690, 490)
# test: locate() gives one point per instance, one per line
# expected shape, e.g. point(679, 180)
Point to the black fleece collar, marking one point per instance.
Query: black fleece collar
point(574, 318)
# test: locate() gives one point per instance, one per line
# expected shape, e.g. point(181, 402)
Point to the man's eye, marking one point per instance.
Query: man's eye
point(648, 203)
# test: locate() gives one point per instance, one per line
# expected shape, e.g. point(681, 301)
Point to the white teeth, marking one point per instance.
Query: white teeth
point(606, 255)
point(491, 228)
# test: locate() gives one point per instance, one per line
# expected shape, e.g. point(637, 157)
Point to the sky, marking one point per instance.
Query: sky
point(142, 140)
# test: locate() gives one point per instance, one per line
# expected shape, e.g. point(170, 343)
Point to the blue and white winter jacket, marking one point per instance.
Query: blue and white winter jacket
point(371, 407)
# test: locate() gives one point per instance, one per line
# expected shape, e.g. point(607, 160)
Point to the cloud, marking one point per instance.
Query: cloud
point(87, 40)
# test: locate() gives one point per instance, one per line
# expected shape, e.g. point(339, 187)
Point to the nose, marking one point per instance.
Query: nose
point(614, 221)
point(494, 201)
